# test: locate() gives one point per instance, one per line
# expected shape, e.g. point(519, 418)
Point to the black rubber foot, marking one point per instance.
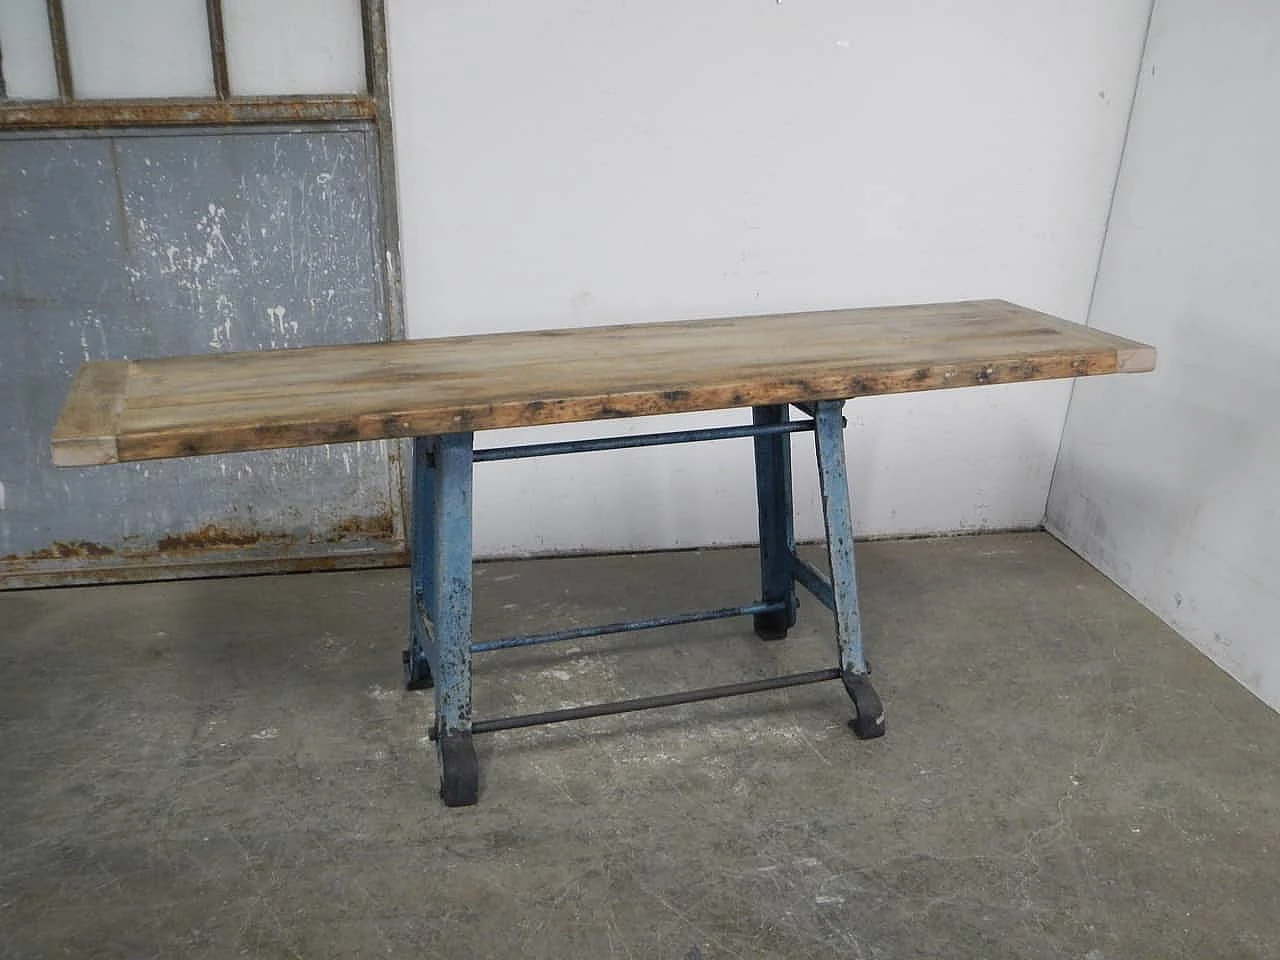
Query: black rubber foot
point(417, 675)
point(459, 770)
point(772, 625)
point(868, 722)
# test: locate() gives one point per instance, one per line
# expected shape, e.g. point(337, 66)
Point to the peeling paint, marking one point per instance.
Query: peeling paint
point(380, 525)
point(63, 550)
point(207, 234)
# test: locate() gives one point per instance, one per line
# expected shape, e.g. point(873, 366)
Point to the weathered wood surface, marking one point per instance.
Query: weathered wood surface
point(184, 406)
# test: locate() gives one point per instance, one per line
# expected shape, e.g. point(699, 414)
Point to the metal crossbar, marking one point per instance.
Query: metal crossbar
point(440, 647)
point(640, 440)
point(652, 703)
point(812, 579)
point(627, 626)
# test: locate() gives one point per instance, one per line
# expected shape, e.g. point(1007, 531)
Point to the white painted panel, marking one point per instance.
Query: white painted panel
point(139, 48)
point(567, 163)
point(26, 55)
point(1168, 481)
point(294, 46)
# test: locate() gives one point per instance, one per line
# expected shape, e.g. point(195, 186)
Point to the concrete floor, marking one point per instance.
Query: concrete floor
point(229, 768)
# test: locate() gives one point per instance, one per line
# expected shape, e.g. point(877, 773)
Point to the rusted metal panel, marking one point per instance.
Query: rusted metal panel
point(82, 114)
point(56, 573)
point(132, 246)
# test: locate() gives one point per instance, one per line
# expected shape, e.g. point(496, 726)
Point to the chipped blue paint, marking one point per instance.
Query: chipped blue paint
point(834, 485)
point(440, 648)
point(776, 518)
point(450, 586)
point(627, 626)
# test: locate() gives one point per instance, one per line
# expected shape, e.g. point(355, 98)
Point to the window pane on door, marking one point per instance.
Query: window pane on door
point(291, 47)
point(26, 56)
point(139, 48)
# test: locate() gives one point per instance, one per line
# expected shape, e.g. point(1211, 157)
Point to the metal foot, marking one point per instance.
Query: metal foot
point(459, 770)
point(772, 626)
point(868, 722)
point(417, 674)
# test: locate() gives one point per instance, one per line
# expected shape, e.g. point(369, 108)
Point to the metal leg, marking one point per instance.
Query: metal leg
point(422, 556)
point(834, 481)
point(441, 631)
point(777, 530)
point(440, 647)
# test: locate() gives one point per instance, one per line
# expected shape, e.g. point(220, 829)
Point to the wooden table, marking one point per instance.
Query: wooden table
point(441, 392)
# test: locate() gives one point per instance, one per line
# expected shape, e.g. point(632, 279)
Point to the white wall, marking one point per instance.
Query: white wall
point(572, 162)
point(1169, 482)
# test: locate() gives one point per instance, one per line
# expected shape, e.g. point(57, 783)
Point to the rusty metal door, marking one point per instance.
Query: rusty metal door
point(123, 245)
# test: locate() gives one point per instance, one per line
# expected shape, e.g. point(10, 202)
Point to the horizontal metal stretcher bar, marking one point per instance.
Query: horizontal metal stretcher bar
point(627, 626)
point(651, 703)
point(640, 440)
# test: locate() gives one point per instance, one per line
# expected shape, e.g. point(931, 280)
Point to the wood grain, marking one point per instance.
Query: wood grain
point(86, 429)
point(218, 403)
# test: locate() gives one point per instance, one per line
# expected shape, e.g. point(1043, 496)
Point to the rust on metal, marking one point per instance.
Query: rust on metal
point(43, 115)
point(27, 572)
point(61, 51)
point(64, 550)
point(209, 536)
point(373, 27)
point(218, 49)
point(213, 537)
point(212, 551)
point(379, 525)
